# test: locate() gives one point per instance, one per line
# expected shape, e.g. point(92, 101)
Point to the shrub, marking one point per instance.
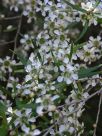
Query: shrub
point(54, 66)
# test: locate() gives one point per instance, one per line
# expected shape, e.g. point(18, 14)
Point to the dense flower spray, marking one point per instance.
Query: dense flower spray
point(51, 98)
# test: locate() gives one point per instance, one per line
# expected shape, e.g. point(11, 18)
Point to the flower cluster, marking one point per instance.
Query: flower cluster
point(93, 12)
point(50, 98)
point(91, 51)
point(6, 67)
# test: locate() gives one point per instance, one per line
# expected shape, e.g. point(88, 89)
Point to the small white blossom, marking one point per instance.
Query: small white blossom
point(60, 79)
point(25, 129)
point(39, 110)
point(36, 132)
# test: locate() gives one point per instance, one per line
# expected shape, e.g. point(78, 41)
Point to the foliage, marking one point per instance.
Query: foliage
point(47, 79)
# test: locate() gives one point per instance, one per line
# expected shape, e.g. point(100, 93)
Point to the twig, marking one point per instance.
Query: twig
point(48, 130)
point(6, 43)
point(92, 95)
point(74, 111)
point(10, 18)
point(72, 103)
point(84, 101)
point(15, 41)
point(98, 113)
point(17, 34)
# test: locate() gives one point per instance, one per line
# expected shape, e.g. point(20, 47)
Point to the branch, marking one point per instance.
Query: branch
point(98, 113)
point(49, 129)
point(10, 18)
point(17, 34)
point(6, 43)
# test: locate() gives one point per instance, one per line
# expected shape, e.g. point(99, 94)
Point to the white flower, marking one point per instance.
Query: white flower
point(71, 130)
point(10, 109)
point(36, 132)
point(51, 108)
point(46, 1)
point(93, 83)
point(70, 67)
point(32, 120)
point(70, 119)
point(38, 100)
point(22, 41)
point(26, 92)
point(62, 68)
point(68, 80)
point(27, 78)
point(16, 122)
point(60, 79)
point(85, 95)
point(40, 86)
point(25, 13)
point(54, 97)
point(9, 27)
point(55, 69)
point(71, 108)
point(87, 6)
point(66, 60)
point(9, 119)
point(57, 32)
point(52, 88)
point(28, 68)
point(31, 58)
point(75, 76)
point(62, 128)
point(28, 111)
point(39, 110)
point(18, 113)
point(25, 129)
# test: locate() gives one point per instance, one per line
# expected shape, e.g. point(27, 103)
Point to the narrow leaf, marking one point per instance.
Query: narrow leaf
point(83, 32)
point(76, 7)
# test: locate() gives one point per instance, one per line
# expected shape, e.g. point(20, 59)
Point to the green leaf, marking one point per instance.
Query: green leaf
point(22, 104)
point(19, 71)
point(83, 32)
point(71, 25)
point(71, 52)
point(2, 107)
point(21, 57)
point(76, 7)
point(61, 85)
point(78, 46)
point(88, 72)
point(97, 3)
point(18, 68)
point(79, 87)
point(6, 92)
point(3, 120)
point(99, 20)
